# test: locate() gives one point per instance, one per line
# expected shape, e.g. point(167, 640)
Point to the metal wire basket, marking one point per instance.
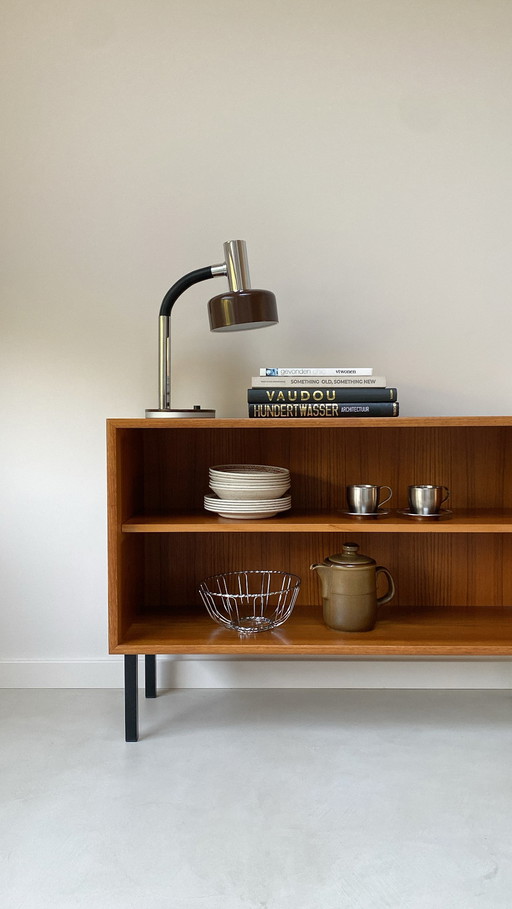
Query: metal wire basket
point(250, 601)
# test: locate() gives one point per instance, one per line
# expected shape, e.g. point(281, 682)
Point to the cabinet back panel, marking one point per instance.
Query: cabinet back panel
point(439, 569)
point(126, 473)
point(473, 462)
point(126, 584)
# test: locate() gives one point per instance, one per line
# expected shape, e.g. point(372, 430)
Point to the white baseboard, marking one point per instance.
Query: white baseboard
point(194, 672)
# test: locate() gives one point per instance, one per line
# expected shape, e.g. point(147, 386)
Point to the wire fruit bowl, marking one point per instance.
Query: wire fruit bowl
point(250, 601)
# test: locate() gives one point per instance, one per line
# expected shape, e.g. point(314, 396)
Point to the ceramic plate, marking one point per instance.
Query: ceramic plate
point(245, 516)
point(249, 471)
point(256, 504)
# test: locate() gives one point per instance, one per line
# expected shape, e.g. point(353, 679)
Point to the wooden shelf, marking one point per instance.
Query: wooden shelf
point(314, 423)
point(403, 631)
point(461, 521)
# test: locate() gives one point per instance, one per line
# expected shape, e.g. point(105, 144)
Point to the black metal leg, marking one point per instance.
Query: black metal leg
point(150, 668)
point(131, 701)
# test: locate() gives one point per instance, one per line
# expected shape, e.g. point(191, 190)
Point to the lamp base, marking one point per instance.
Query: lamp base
point(194, 413)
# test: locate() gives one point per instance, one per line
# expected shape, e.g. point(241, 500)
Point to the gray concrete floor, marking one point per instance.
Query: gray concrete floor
point(284, 799)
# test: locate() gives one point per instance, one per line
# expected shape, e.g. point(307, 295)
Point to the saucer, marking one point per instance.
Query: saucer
point(443, 513)
point(364, 514)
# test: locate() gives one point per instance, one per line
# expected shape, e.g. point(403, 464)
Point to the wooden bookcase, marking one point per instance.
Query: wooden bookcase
point(453, 576)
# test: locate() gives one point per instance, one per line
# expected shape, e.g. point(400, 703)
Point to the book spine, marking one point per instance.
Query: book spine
point(319, 381)
point(293, 411)
point(315, 395)
point(315, 371)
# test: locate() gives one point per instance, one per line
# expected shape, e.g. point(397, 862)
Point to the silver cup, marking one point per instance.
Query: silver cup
point(365, 498)
point(427, 499)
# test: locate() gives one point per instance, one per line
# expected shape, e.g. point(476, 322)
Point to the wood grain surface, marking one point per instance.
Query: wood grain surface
point(404, 631)
point(162, 543)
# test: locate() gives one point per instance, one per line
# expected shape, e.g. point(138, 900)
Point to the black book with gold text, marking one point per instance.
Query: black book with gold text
point(319, 395)
point(324, 409)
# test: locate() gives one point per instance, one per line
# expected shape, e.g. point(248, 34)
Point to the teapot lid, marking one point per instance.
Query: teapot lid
point(350, 557)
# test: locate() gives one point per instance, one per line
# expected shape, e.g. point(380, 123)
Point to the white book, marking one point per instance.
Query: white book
point(315, 371)
point(318, 382)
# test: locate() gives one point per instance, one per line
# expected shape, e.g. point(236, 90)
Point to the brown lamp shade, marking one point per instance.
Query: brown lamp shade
point(240, 310)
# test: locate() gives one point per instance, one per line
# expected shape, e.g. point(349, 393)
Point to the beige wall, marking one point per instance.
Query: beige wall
point(361, 147)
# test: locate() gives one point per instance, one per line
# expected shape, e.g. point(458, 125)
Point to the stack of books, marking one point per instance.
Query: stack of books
point(332, 391)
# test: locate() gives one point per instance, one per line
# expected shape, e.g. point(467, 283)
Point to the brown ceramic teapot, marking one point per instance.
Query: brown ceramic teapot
point(349, 589)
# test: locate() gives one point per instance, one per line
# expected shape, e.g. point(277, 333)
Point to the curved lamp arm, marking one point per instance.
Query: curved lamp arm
point(164, 322)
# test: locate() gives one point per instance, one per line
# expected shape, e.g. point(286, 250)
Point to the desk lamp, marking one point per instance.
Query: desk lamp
point(238, 309)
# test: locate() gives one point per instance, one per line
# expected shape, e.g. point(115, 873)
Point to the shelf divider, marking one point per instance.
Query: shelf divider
point(461, 521)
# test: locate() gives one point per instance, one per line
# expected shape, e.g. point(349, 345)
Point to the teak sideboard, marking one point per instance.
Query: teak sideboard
point(453, 575)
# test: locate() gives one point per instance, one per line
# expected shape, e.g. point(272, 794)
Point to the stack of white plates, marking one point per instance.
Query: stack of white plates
point(248, 490)
point(238, 508)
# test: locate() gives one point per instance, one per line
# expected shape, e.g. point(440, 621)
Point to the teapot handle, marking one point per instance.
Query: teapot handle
point(391, 586)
